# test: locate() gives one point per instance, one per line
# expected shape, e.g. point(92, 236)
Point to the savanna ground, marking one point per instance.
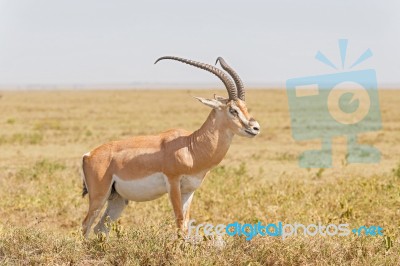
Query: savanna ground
point(44, 134)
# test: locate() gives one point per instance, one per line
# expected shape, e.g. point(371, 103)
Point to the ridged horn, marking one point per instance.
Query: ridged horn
point(235, 76)
point(229, 85)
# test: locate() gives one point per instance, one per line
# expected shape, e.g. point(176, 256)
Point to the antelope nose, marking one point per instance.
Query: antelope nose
point(255, 126)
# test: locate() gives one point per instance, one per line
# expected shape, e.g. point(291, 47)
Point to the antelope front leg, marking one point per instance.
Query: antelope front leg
point(176, 201)
point(186, 202)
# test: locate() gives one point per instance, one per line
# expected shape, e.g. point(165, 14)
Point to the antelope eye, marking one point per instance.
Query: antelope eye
point(233, 112)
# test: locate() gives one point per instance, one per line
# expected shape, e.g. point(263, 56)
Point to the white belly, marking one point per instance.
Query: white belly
point(153, 186)
point(144, 189)
point(190, 183)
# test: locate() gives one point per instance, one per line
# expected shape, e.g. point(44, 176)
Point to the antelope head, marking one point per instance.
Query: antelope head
point(233, 109)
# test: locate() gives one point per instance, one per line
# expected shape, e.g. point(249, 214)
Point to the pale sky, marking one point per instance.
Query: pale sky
point(116, 42)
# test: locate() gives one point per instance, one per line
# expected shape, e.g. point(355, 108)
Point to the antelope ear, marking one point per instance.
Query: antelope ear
point(221, 99)
point(211, 103)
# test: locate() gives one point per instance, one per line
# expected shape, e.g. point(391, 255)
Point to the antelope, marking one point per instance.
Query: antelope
point(176, 161)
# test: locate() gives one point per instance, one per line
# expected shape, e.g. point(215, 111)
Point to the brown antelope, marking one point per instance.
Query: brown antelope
point(175, 162)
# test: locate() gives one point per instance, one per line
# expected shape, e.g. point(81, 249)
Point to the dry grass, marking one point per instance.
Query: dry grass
point(43, 135)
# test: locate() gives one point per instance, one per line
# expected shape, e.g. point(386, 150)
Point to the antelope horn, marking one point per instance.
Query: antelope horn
point(230, 87)
point(235, 76)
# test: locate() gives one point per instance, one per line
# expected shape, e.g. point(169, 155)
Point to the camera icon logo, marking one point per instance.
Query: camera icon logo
point(340, 104)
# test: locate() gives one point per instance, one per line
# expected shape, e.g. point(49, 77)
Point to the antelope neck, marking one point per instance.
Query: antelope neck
point(209, 144)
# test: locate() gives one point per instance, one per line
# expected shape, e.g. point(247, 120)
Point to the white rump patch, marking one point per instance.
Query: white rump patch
point(81, 169)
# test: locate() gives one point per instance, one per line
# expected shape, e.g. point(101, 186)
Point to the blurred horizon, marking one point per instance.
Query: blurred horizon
point(140, 87)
